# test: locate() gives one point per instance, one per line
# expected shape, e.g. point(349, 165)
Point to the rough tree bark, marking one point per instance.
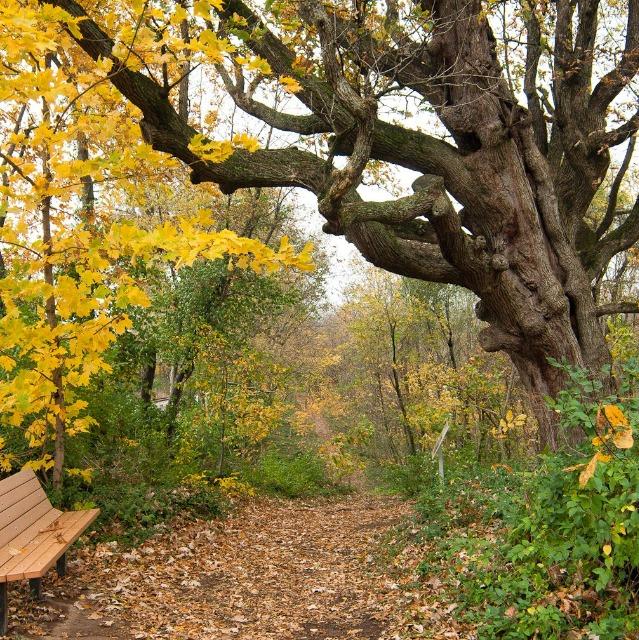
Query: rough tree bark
point(525, 175)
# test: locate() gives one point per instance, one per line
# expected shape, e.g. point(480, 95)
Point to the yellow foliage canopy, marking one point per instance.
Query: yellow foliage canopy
point(65, 282)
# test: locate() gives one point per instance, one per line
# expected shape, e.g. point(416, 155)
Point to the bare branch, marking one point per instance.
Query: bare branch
point(617, 307)
point(302, 124)
point(611, 85)
point(614, 191)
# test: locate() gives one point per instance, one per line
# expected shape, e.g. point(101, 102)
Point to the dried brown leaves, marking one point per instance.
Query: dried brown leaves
point(273, 570)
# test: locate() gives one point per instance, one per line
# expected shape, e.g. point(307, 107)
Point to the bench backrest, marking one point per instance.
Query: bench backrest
point(23, 503)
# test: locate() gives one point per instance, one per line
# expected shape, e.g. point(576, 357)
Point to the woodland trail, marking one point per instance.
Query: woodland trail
point(274, 569)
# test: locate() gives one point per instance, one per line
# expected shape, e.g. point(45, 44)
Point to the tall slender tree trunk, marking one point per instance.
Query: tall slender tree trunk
point(50, 310)
point(408, 430)
point(147, 377)
point(172, 408)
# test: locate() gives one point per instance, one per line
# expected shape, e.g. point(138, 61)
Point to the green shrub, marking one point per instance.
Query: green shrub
point(137, 482)
point(471, 492)
point(410, 477)
point(572, 560)
point(294, 476)
point(131, 512)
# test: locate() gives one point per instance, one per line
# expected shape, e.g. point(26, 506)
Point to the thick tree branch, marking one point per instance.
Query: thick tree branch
point(390, 212)
point(360, 102)
point(620, 134)
point(391, 143)
point(381, 247)
point(618, 240)
point(617, 307)
point(611, 85)
point(533, 55)
point(585, 40)
point(163, 128)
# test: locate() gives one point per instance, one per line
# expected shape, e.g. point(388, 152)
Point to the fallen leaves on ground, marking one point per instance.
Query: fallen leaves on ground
point(274, 569)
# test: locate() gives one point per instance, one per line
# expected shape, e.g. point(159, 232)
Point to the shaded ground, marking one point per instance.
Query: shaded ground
point(274, 570)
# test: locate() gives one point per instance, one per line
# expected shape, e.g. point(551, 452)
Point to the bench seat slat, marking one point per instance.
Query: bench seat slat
point(10, 483)
point(20, 541)
point(45, 549)
point(23, 522)
point(71, 533)
point(14, 496)
point(33, 549)
point(20, 508)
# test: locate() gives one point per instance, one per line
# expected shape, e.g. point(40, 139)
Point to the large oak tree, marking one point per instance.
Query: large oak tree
point(523, 166)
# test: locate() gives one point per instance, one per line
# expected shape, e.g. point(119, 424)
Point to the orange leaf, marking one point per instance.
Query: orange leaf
point(588, 472)
point(615, 415)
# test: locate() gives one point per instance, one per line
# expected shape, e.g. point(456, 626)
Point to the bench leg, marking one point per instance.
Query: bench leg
point(35, 584)
point(4, 609)
point(61, 565)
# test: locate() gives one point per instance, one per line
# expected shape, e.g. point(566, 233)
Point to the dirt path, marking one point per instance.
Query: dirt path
point(273, 570)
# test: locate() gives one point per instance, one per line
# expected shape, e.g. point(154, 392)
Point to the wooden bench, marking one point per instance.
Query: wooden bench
point(33, 535)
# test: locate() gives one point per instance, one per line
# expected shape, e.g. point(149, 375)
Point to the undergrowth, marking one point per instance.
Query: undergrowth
point(300, 474)
point(535, 554)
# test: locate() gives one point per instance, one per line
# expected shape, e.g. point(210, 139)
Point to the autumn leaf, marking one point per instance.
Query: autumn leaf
point(255, 63)
point(246, 141)
point(202, 9)
point(290, 84)
point(623, 439)
point(615, 415)
point(588, 472)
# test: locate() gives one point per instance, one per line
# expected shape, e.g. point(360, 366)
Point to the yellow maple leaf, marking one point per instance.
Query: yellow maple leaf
point(7, 363)
point(256, 63)
point(202, 9)
point(290, 84)
point(246, 141)
point(85, 474)
point(179, 14)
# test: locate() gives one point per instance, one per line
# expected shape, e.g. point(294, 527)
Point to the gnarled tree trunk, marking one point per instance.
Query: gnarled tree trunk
point(525, 175)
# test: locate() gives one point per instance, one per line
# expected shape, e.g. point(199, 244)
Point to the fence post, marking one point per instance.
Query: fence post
point(438, 450)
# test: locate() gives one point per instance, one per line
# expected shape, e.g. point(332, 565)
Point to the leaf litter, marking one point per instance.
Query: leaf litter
point(273, 569)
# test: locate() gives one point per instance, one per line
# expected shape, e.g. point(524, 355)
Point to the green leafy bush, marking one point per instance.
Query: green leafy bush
point(472, 492)
point(137, 483)
point(410, 477)
point(292, 475)
point(571, 561)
